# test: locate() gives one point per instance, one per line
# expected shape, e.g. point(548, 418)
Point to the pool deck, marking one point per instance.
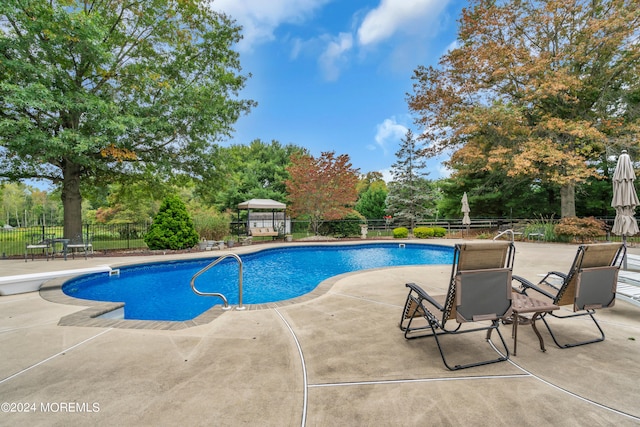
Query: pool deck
point(335, 359)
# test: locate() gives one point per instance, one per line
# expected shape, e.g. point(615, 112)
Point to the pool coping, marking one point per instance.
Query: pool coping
point(51, 291)
point(90, 316)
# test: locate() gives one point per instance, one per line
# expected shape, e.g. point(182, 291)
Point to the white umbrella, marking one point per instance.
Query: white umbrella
point(625, 199)
point(465, 210)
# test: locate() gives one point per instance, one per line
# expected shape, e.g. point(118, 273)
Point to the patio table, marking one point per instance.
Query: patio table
point(64, 242)
point(521, 304)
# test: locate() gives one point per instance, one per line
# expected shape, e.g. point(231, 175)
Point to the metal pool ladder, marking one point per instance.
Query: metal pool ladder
point(216, 294)
point(510, 231)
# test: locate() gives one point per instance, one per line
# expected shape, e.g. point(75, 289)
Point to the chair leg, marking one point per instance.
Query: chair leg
point(503, 356)
point(569, 345)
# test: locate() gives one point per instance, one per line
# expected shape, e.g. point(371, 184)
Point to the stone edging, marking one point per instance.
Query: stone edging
point(90, 317)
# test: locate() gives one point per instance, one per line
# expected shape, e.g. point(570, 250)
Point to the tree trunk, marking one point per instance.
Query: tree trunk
point(568, 200)
point(71, 200)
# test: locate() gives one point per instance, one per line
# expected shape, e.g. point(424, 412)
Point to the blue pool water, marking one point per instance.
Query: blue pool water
point(161, 291)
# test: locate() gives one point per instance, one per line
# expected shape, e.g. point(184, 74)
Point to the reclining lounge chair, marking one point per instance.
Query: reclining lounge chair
point(479, 291)
point(590, 284)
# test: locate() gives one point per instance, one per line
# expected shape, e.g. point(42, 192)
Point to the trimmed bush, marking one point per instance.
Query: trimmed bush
point(439, 232)
point(423, 232)
point(172, 227)
point(400, 233)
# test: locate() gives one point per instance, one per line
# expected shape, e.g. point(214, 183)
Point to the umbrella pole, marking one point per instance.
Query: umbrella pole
point(624, 259)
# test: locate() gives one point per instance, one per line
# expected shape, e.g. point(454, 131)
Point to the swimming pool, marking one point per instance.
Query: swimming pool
point(161, 291)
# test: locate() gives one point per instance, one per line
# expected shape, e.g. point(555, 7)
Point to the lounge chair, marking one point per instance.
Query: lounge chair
point(479, 291)
point(590, 284)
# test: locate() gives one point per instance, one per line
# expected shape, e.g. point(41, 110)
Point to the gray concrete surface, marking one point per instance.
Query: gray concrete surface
point(336, 359)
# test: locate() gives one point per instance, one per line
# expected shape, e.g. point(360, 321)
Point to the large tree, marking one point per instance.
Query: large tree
point(409, 198)
point(90, 90)
point(244, 172)
point(322, 188)
point(536, 88)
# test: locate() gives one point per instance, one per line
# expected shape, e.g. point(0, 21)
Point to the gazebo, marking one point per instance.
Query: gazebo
point(277, 219)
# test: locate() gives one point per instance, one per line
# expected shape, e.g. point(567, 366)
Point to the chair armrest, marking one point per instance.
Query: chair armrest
point(553, 273)
point(526, 285)
point(423, 295)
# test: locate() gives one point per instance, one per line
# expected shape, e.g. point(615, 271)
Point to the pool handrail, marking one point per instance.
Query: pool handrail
point(216, 294)
point(509, 231)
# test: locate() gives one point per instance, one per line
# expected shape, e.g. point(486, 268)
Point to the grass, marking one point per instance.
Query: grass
point(17, 247)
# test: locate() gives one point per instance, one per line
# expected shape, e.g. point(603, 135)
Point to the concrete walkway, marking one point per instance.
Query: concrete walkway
point(336, 359)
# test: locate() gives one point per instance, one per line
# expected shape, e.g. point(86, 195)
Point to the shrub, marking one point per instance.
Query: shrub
point(426, 232)
point(423, 232)
point(439, 232)
point(172, 227)
point(579, 228)
point(400, 233)
point(347, 226)
point(544, 226)
point(211, 224)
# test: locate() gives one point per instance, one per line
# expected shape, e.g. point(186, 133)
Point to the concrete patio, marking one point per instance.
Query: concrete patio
point(337, 358)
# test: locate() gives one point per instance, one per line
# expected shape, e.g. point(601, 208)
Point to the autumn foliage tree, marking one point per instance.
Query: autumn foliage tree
point(535, 88)
point(322, 188)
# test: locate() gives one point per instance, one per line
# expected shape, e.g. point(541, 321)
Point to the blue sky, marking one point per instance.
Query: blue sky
point(332, 75)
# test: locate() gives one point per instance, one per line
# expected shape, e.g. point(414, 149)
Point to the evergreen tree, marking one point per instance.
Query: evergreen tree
point(409, 196)
point(172, 227)
point(371, 203)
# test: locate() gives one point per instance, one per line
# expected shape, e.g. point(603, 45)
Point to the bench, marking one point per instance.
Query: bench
point(263, 232)
point(10, 285)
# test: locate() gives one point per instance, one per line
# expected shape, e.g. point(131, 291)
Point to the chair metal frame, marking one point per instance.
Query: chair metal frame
point(420, 305)
point(39, 241)
point(584, 272)
point(81, 243)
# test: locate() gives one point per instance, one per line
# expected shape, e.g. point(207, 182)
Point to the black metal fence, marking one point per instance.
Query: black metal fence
point(103, 237)
point(125, 237)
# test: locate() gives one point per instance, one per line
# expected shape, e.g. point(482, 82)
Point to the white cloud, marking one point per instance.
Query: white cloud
point(388, 132)
point(393, 16)
point(387, 176)
point(443, 171)
point(452, 46)
point(335, 55)
point(260, 18)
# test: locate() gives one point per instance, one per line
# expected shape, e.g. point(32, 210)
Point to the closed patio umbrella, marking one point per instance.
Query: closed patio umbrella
point(465, 210)
point(625, 199)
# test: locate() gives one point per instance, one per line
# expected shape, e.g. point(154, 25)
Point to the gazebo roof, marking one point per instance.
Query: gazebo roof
point(261, 204)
